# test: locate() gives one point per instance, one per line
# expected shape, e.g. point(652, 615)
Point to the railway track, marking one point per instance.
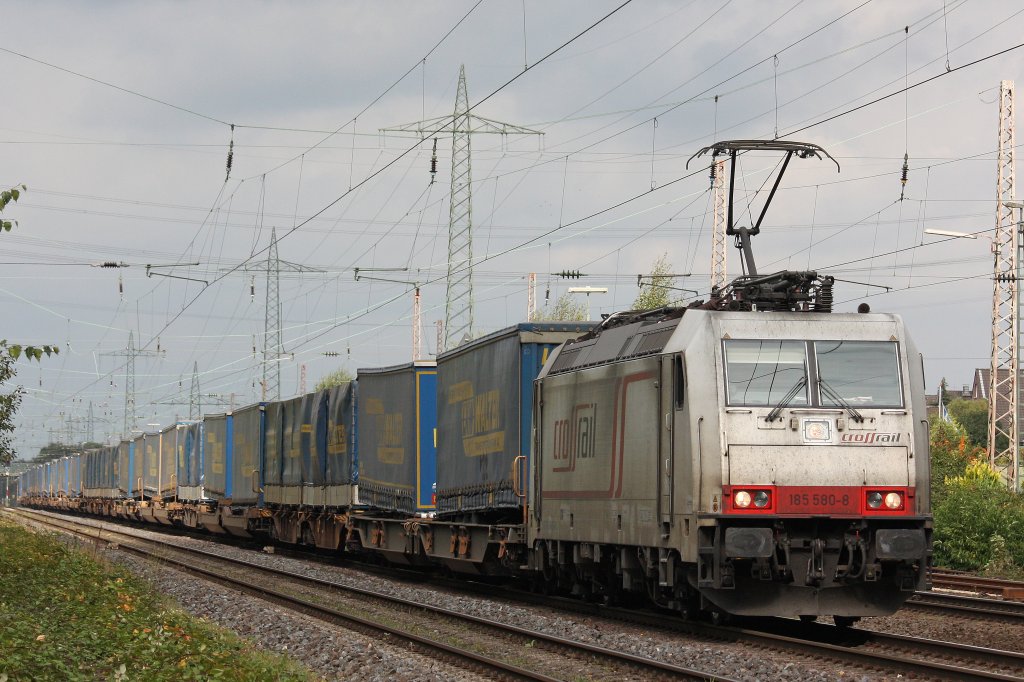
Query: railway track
point(866, 649)
point(1006, 608)
point(1007, 589)
point(964, 605)
point(478, 644)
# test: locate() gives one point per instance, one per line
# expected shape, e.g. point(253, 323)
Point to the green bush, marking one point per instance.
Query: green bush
point(951, 453)
point(978, 521)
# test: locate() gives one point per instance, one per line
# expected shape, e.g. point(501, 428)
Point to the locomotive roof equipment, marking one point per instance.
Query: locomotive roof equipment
point(785, 290)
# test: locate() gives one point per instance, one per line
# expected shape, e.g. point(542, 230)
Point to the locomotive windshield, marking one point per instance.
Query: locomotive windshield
point(764, 372)
point(859, 373)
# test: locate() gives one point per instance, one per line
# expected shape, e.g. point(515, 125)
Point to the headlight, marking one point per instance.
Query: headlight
point(893, 501)
point(761, 498)
point(741, 499)
point(875, 500)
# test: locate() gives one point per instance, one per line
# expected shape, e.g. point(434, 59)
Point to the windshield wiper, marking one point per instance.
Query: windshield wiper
point(786, 400)
point(839, 400)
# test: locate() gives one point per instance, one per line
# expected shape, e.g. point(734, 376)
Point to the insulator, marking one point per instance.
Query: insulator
point(231, 153)
point(252, 288)
point(570, 274)
point(120, 286)
point(906, 170)
point(823, 301)
point(433, 162)
point(714, 173)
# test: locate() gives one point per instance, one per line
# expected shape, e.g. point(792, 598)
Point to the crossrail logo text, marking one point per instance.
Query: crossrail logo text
point(869, 438)
point(575, 437)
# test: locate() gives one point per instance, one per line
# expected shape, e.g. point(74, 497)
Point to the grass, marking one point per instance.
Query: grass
point(66, 616)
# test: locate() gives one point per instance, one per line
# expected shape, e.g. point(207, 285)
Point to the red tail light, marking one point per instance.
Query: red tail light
point(748, 499)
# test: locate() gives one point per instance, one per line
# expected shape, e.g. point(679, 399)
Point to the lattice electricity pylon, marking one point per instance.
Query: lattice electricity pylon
point(195, 400)
point(1003, 424)
point(531, 297)
point(417, 330)
point(129, 381)
point(273, 346)
point(718, 240)
point(90, 425)
point(461, 125)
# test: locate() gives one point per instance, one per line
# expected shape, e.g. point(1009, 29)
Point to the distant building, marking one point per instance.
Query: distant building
point(980, 388)
point(931, 400)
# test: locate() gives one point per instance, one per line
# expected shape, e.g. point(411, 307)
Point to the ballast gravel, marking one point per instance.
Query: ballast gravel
point(339, 654)
point(329, 651)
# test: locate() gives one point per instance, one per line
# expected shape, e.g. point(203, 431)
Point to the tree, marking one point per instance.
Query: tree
point(566, 309)
point(336, 378)
point(9, 354)
point(6, 197)
point(10, 402)
point(57, 450)
point(973, 416)
point(655, 293)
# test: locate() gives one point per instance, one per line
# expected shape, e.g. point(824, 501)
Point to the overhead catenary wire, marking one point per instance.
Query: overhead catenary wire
point(376, 173)
point(503, 186)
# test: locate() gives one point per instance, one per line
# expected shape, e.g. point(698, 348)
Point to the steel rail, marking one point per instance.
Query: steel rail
point(992, 609)
point(966, 581)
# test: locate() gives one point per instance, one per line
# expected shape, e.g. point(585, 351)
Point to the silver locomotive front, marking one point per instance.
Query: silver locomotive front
point(816, 499)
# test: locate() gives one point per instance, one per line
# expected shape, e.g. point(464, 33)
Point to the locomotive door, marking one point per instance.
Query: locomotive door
point(667, 391)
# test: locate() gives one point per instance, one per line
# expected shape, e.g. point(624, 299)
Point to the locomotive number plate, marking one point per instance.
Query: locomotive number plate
point(817, 500)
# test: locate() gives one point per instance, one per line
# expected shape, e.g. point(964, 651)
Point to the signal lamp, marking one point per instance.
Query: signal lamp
point(894, 501)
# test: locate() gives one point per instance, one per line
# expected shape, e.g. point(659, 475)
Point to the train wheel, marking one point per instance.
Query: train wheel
point(719, 617)
point(687, 602)
point(844, 621)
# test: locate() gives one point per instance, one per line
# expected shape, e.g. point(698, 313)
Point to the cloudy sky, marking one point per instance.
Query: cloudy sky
point(117, 116)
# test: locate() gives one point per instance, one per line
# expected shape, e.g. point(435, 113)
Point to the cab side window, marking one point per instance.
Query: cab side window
point(678, 382)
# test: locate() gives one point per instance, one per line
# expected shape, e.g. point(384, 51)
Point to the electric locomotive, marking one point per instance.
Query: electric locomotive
point(754, 454)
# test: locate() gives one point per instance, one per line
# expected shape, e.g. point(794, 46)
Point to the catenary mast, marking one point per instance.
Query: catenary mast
point(1004, 393)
